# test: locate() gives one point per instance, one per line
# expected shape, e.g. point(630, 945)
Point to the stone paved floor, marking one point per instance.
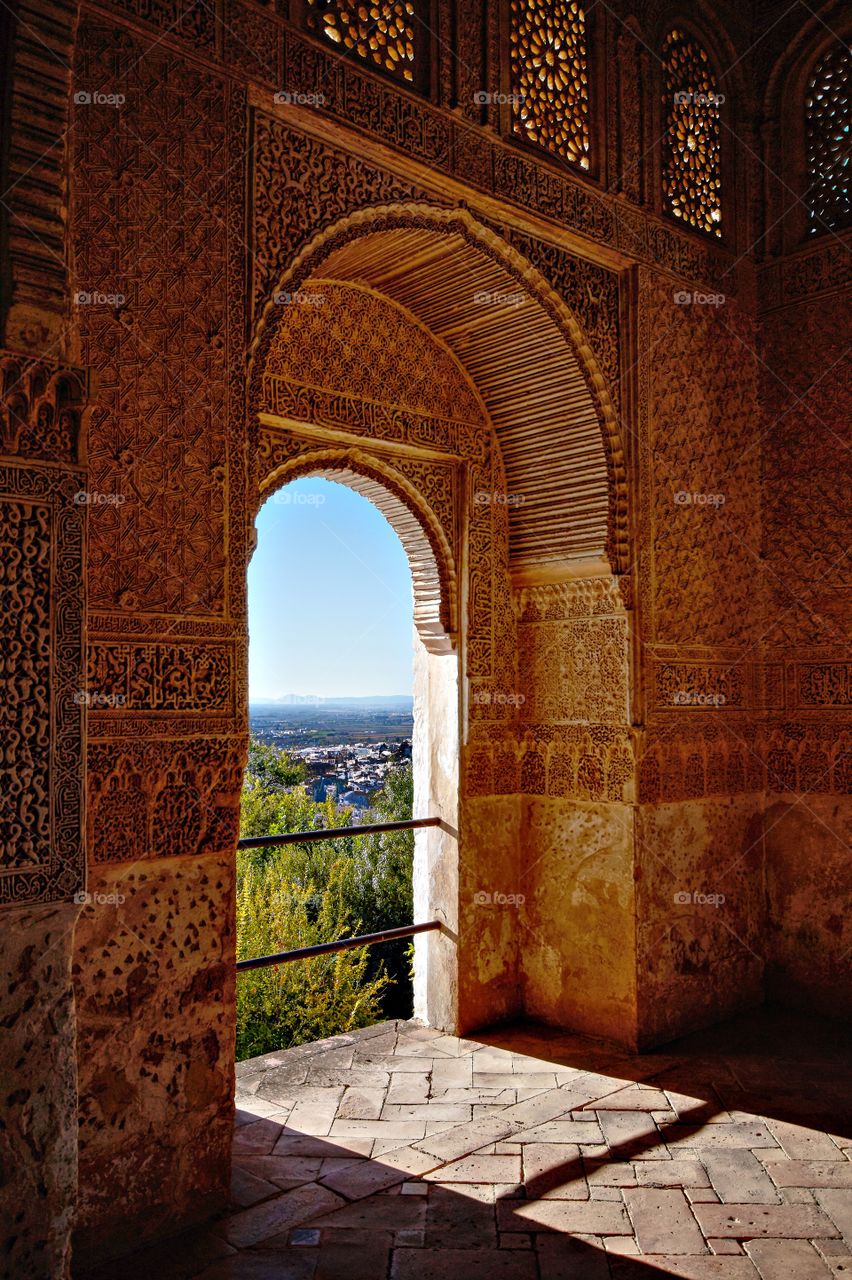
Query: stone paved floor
point(399, 1153)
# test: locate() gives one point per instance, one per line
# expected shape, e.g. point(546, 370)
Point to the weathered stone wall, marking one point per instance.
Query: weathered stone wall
point(576, 776)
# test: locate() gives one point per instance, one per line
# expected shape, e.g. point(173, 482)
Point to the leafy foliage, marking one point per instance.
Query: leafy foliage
point(298, 895)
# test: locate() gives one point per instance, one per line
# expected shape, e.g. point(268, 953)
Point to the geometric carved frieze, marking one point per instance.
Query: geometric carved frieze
point(41, 716)
point(164, 677)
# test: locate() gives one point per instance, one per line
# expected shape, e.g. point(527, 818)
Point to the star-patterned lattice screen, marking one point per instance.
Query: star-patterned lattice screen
point(692, 181)
point(382, 34)
point(828, 113)
point(550, 80)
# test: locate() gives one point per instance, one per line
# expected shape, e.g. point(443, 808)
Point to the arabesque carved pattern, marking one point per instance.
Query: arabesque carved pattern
point(159, 446)
point(41, 764)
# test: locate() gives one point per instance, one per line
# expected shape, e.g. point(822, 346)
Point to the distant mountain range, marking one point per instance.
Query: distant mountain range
point(376, 702)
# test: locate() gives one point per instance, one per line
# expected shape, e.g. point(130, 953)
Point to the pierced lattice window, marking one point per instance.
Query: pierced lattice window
point(692, 181)
point(828, 109)
point(550, 78)
point(382, 34)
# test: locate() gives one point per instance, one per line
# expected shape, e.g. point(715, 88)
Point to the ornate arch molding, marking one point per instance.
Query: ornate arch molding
point(460, 223)
point(783, 113)
point(38, 97)
point(425, 543)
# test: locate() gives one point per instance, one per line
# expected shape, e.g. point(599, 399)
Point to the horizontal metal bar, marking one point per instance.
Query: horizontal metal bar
point(334, 833)
point(343, 944)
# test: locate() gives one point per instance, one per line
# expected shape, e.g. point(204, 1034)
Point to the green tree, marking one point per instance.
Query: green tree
point(290, 1003)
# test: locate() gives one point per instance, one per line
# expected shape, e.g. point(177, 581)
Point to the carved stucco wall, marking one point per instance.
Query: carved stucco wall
point(158, 232)
point(806, 395)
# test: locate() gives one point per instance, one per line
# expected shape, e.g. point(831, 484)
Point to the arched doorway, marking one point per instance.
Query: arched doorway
point(413, 347)
point(436, 708)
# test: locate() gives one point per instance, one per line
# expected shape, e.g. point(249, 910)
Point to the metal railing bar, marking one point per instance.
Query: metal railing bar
point(334, 833)
point(342, 944)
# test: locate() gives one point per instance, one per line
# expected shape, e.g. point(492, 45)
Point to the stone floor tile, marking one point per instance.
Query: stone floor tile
point(307, 1144)
point(414, 1189)
point(689, 1268)
point(624, 1246)
point(800, 1143)
point(408, 1160)
point(534, 1080)
point(811, 1173)
point(663, 1221)
point(701, 1195)
point(345, 1262)
point(750, 1221)
point(837, 1204)
point(247, 1189)
point(796, 1195)
point(263, 1265)
point(739, 1178)
point(554, 1169)
point(671, 1173)
point(604, 1193)
point(615, 1174)
point(290, 1209)
point(479, 1168)
point(550, 1105)
point(363, 1179)
point(305, 1237)
point(463, 1140)
point(570, 1216)
point(257, 1138)
point(361, 1104)
point(631, 1135)
point(633, 1098)
point(725, 1135)
point(472, 1264)
point(460, 1216)
point(567, 1258)
point(560, 1131)
point(514, 1240)
point(452, 1112)
point(787, 1260)
point(402, 1130)
point(376, 1213)
point(408, 1086)
point(726, 1247)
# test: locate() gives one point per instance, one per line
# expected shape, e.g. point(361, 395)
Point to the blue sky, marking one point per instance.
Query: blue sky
point(329, 593)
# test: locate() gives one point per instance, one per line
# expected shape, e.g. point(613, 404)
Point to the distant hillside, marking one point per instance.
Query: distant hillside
point(401, 702)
